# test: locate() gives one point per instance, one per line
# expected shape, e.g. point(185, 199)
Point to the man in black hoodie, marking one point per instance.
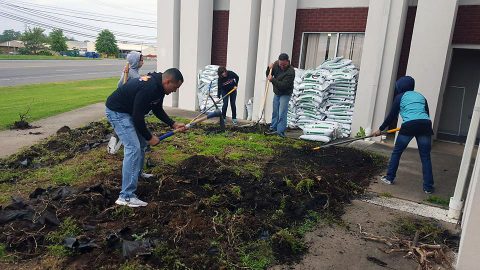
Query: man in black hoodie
point(227, 80)
point(126, 110)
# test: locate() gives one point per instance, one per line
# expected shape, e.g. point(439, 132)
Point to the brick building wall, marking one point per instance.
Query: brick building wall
point(466, 31)
point(467, 26)
point(326, 20)
point(220, 37)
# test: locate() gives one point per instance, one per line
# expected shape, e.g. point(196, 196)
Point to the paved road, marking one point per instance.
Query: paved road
point(17, 72)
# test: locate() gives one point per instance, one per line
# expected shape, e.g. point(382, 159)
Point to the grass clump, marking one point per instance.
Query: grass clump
point(169, 257)
point(58, 251)
point(287, 242)
point(437, 200)
point(430, 232)
point(236, 191)
point(4, 256)
point(310, 222)
point(386, 195)
point(305, 185)
point(122, 212)
point(68, 228)
point(257, 255)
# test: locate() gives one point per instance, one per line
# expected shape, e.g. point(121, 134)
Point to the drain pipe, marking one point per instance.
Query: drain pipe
point(456, 202)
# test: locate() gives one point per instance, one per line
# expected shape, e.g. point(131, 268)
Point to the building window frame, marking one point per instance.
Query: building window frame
point(301, 60)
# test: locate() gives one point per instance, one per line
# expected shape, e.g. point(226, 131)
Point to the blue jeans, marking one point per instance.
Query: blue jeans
point(232, 97)
point(279, 114)
point(134, 150)
point(424, 143)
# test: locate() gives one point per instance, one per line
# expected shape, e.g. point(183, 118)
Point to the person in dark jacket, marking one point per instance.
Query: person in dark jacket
point(282, 78)
point(227, 80)
point(132, 71)
point(413, 108)
point(126, 109)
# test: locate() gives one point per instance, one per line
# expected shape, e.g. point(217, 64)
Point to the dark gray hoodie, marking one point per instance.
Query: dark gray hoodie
point(133, 59)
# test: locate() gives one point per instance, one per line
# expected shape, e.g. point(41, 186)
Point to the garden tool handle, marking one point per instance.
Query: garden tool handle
point(216, 113)
point(214, 104)
point(391, 131)
point(267, 85)
point(125, 73)
point(356, 139)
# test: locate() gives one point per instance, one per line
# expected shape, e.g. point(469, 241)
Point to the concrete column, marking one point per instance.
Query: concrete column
point(168, 35)
point(470, 239)
point(196, 18)
point(276, 31)
point(243, 24)
point(380, 56)
point(429, 50)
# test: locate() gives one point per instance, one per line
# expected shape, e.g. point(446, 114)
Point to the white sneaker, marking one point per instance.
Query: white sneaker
point(234, 122)
point(146, 175)
point(113, 145)
point(131, 202)
point(386, 181)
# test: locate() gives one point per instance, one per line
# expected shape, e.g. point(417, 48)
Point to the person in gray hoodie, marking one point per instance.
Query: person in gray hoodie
point(135, 62)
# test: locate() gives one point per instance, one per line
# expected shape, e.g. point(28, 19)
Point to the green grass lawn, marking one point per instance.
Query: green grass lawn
point(47, 99)
point(42, 57)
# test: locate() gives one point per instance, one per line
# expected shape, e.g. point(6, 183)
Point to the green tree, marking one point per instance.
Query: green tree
point(106, 43)
point(58, 42)
point(34, 39)
point(9, 35)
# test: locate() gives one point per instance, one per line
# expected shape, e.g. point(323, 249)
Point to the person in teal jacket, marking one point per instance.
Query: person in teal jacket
point(413, 107)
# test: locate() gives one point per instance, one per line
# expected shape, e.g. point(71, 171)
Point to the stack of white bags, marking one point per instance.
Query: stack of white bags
point(323, 99)
point(207, 85)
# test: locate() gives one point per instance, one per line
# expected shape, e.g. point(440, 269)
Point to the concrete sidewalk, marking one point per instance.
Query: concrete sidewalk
point(446, 157)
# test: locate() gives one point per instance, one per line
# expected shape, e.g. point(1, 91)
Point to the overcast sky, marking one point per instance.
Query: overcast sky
point(144, 11)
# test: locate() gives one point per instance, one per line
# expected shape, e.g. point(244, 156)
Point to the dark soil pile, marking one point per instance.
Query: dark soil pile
point(22, 124)
point(67, 144)
point(200, 217)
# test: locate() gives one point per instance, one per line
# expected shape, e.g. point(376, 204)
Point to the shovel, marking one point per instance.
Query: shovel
point(213, 114)
point(356, 139)
point(214, 104)
point(262, 115)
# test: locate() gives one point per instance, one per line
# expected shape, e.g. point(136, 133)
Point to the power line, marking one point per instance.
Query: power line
point(66, 30)
point(79, 12)
point(75, 24)
point(80, 17)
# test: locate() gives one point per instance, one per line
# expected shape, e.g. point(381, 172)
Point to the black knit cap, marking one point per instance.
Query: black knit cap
point(283, 57)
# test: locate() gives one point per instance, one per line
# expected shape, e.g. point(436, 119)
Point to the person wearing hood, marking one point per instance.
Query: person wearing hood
point(125, 109)
point(135, 62)
point(413, 108)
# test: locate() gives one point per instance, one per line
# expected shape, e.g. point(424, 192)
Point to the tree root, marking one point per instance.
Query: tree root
point(426, 255)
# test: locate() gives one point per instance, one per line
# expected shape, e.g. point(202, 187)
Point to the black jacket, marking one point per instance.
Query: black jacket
point(137, 97)
point(228, 83)
point(282, 79)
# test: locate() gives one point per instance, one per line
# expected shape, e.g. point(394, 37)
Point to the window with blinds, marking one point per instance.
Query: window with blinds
point(318, 47)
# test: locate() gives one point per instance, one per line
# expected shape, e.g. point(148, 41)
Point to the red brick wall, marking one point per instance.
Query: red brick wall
point(326, 20)
point(467, 26)
point(407, 40)
point(220, 37)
